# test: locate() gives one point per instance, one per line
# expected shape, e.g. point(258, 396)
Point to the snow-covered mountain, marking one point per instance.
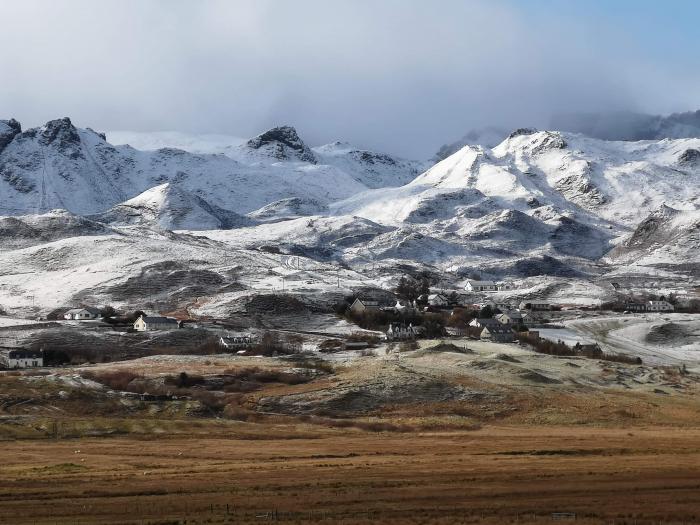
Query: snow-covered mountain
point(667, 237)
point(61, 166)
point(172, 208)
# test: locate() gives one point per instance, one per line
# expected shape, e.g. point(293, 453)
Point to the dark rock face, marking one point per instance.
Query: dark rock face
point(9, 129)
point(689, 157)
point(280, 140)
point(522, 131)
point(551, 141)
point(369, 157)
point(62, 134)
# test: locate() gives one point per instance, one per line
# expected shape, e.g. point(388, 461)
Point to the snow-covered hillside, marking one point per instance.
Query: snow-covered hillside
point(172, 208)
point(61, 166)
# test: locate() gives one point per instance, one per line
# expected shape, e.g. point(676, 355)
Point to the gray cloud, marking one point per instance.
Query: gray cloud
point(400, 76)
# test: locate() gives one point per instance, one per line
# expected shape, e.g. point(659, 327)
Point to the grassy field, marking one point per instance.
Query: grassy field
point(307, 474)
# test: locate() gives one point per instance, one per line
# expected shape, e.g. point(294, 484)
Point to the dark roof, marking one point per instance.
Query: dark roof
point(159, 320)
point(498, 329)
point(23, 354)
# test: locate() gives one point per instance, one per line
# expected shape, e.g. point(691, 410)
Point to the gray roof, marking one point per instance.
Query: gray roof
point(159, 320)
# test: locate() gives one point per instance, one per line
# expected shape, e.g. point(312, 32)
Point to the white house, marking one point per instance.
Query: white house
point(480, 286)
point(362, 305)
point(659, 306)
point(485, 322)
point(504, 286)
point(400, 331)
point(535, 305)
point(236, 342)
point(82, 314)
point(21, 358)
point(509, 318)
point(437, 299)
point(147, 323)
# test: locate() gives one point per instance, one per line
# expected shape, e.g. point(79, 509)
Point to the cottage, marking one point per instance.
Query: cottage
point(236, 342)
point(82, 314)
point(484, 322)
point(148, 323)
point(659, 306)
point(636, 307)
point(401, 331)
point(456, 331)
point(504, 286)
point(535, 305)
point(437, 299)
point(360, 306)
point(21, 358)
point(497, 334)
point(509, 318)
point(480, 286)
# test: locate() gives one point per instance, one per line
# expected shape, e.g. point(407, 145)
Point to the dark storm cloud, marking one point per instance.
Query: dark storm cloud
point(401, 76)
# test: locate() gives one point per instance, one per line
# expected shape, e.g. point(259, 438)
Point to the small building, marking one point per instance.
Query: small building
point(636, 307)
point(400, 332)
point(456, 331)
point(148, 323)
point(509, 318)
point(236, 342)
point(504, 286)
point(497, 334)
point(480, 286)
point(359, 306)
point(437, 299)
point(659, 306)
point(536, 305)
point(82, 314)
point(592, 349)
point(483, 322)
point(21, 358)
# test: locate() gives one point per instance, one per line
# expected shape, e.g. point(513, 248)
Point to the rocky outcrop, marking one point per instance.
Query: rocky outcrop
point(9, 129)
point(283, 143)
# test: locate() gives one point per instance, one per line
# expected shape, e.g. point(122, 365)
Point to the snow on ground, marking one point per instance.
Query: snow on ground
point(628, 334)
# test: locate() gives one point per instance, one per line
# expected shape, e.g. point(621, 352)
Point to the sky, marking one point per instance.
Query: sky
point(401, 76)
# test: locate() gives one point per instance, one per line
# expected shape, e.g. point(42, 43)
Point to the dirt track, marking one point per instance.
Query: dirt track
point(493, 475)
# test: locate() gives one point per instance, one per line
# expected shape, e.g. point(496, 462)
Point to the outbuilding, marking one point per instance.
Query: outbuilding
point(148, 323)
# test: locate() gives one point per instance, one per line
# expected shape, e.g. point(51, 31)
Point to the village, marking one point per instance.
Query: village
point(370, 319)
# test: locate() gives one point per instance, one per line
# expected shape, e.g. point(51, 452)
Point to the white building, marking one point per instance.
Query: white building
point(480, 286)
point(437, 299)
point(146, 323)
point(21, 358)
point(362, 305)
point(400, 331)
point(659, 306)
point(509, 318)
point(236, 342)
point(535, 305)
point(82, 314)
point(504, 286)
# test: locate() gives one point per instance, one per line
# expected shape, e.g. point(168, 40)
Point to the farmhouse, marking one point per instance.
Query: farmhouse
point(400, 331)
point(510, 317)
point(497, 334)
point(82, 314)
point(437, 299)
point(147, 323)
point(659, 306)
point(484, 322)
point(480, 286)
point(21, 358)
point(236, 342)
point(535, 305)
point(636, 307)
point(362, 305)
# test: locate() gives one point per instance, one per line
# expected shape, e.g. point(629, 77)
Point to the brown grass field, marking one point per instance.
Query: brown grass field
point(305, 474)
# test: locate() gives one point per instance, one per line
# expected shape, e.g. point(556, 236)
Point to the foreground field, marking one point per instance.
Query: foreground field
point(299, 475)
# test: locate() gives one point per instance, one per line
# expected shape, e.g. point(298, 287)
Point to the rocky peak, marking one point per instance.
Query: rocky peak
point(63, 135)
point(283, 143)
point(690, 156)
point(522, 131)
point(9, 129)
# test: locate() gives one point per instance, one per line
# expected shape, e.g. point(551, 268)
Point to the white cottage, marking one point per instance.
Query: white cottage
point(21, 358)
point(82, 314)
point(147, 323)
point(400, 331)
point(480, 286)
